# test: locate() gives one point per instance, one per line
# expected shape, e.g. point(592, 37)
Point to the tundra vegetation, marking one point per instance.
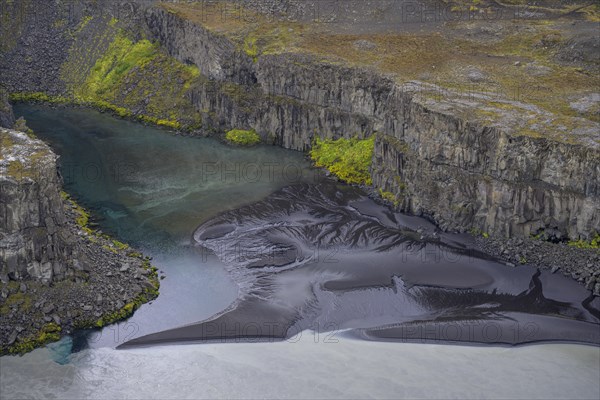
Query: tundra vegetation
point(348, 159)
point(242, 137)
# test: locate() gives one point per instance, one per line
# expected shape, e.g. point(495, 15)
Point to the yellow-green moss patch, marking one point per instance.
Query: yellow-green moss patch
point(583, 244)
point(349, 159)
point(49, 333)
point(37, 97)
point(108, 72)
point(242, 137)
point(390, 197)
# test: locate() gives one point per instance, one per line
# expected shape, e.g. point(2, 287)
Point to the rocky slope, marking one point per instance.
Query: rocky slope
point(55, 272)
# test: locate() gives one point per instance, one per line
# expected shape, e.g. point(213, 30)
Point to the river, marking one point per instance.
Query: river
point(185, 201)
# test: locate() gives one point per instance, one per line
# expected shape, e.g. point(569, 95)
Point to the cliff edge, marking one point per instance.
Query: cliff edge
point(482, 125)
point(56, 274)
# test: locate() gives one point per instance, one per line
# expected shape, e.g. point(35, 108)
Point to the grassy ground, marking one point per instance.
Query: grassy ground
point(514, 58)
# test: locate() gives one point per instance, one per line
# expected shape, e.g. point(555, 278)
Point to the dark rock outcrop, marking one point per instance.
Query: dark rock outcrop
point(7, 118)
point(40, 36)
point(34, 242)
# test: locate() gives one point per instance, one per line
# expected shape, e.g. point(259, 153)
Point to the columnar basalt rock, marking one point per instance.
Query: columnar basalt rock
point(34, 241)
point(432, 153)
point(53, 267)
point(520, 172)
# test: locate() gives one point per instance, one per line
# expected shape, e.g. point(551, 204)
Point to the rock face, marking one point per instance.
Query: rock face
point(7, 119)
point(468, 176)
point(436, 151)
point(56, 274)
point(33, 240)
point(40, 36)
point(433, 154)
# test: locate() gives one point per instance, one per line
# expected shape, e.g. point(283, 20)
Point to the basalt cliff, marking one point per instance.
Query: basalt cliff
point(56, 273)
point(469, 160)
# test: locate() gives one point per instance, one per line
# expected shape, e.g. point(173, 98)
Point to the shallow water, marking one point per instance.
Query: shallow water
point(153, 190)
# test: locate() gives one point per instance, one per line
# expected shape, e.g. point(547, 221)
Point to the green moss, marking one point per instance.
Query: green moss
point(6, 141)
point(349, 159)
point(22, 301)
point(109, 71)
point(479, 232)
point(401, 185)
point(49, 333)
point(83, 23)
point(583, 244)
point(137, 76)
point(250, 48)
point(119, 245)
point(37, 97)
point(129, 308)
point(135, 254)
point(390, 197)
point(115, 245)
point(59, 23)
point(168, 123)
point(108, 248)
point(82, 218)
point(17, 170)
point(523, 260)
point(123, 313)
point(242, 138)
point(539, 236)
point(21, 126)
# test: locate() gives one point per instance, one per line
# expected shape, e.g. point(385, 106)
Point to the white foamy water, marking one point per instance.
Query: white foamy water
point(311, 367)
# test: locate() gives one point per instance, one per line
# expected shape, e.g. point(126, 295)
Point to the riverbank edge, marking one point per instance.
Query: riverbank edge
point(580, 264)
point(57, 328)
point(112, 282)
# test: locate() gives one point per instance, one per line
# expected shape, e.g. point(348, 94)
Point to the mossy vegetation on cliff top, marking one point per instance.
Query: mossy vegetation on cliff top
point(109, 71)
point(22, 157)
point(348, 159)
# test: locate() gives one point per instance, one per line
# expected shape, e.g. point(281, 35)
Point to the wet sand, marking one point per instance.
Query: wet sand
point(327, 258)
